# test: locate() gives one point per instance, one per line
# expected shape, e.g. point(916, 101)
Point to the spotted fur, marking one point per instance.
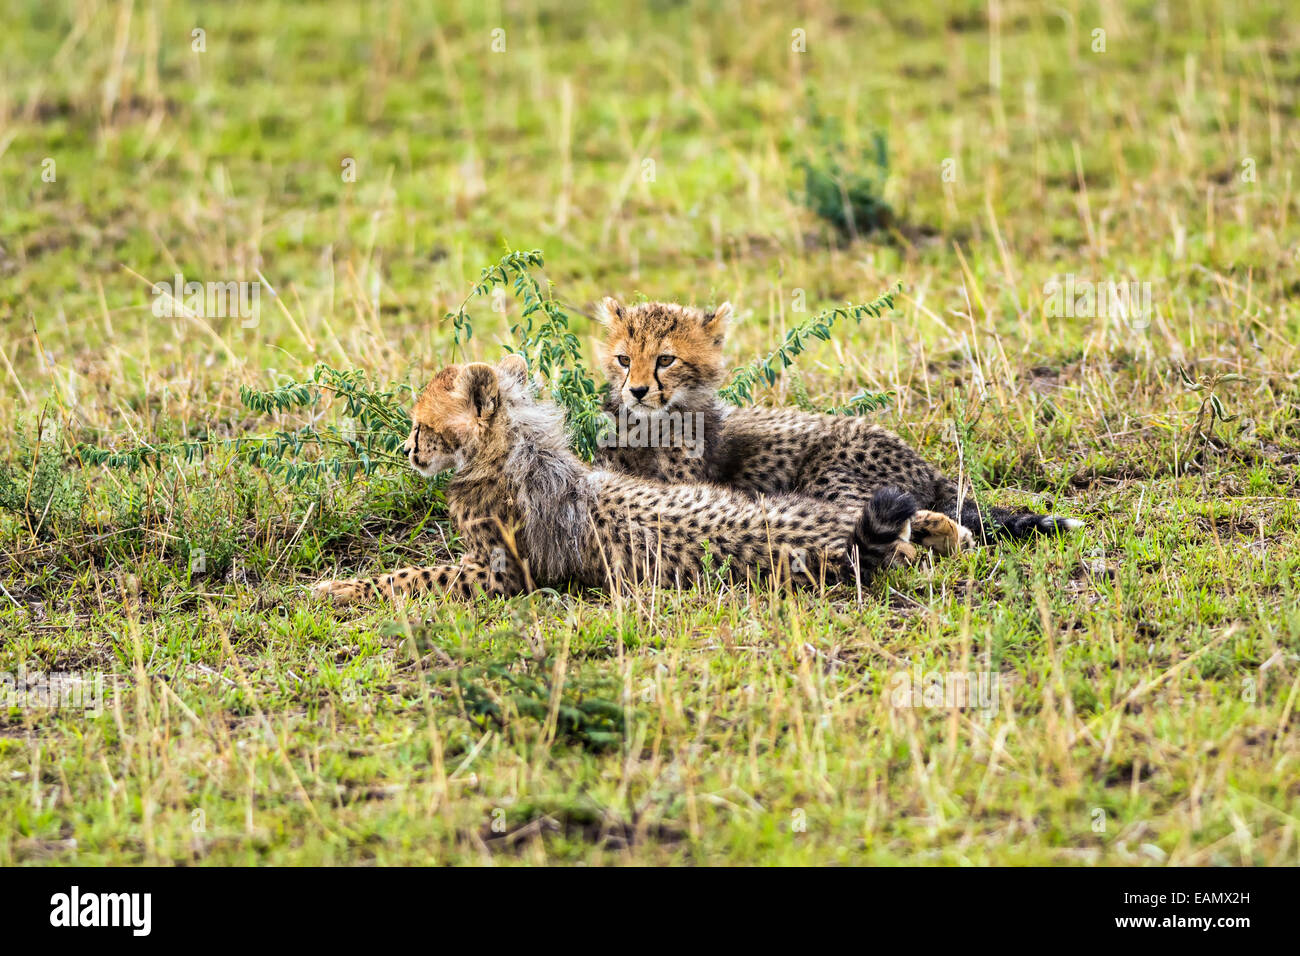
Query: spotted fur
point(532, 514)
point(765, 451)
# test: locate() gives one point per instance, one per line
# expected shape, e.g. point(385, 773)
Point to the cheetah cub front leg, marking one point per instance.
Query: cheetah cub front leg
point(495, 577)
point(342, 592)
point(940, 533)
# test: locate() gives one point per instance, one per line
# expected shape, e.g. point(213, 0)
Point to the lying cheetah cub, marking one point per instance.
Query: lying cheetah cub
point(663, 363)
point(534, 515)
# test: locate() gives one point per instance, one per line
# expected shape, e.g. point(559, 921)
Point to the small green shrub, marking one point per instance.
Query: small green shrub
point(36, 486)
point(771, 366)
point(586, 714)
point(376, 420)
point(862, 403)
point(845, 185)
point(544, 342)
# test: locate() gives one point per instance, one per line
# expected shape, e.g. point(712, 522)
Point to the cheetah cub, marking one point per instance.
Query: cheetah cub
point(663, 363)
point(532, 514)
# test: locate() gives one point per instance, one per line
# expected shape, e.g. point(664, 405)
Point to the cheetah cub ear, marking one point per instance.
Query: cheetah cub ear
point(608, 309)
point(467, 407)
point(512, 371)
point(482, 388)
point(512, 368)
point(716, 322)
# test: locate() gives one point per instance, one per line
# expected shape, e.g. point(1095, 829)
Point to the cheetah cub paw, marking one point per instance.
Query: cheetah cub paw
point(339, 592)
point(940, 533)
point(902, 555)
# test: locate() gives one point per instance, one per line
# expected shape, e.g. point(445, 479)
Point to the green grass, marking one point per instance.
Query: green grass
point(1149, 667)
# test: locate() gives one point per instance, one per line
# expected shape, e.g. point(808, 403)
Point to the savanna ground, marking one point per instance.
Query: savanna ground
point(370, 159)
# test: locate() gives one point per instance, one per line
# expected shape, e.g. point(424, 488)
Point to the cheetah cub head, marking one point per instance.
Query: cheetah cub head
point(461, 416)
point(659, 355)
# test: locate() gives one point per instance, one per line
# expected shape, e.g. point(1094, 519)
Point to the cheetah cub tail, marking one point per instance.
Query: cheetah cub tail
point(989, 523)
point(1006, 523)
point(884, 523)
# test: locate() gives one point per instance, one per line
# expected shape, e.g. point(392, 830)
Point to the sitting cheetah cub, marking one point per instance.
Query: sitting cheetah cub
point(532, 514)
point(663, 363)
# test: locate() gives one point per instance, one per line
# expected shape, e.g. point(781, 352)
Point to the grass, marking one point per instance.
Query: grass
point(1148, 668)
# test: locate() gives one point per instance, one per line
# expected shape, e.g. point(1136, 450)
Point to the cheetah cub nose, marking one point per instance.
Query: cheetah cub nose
point(639, 392)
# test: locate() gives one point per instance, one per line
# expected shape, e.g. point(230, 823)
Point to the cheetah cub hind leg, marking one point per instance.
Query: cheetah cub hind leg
point(940, 533)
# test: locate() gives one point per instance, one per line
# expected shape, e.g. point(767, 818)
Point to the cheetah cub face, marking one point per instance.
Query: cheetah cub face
point(458, 417)
point(657, 355)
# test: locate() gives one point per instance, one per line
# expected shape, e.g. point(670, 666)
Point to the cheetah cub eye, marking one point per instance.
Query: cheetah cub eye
point(666, 360)
point(624, 361)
